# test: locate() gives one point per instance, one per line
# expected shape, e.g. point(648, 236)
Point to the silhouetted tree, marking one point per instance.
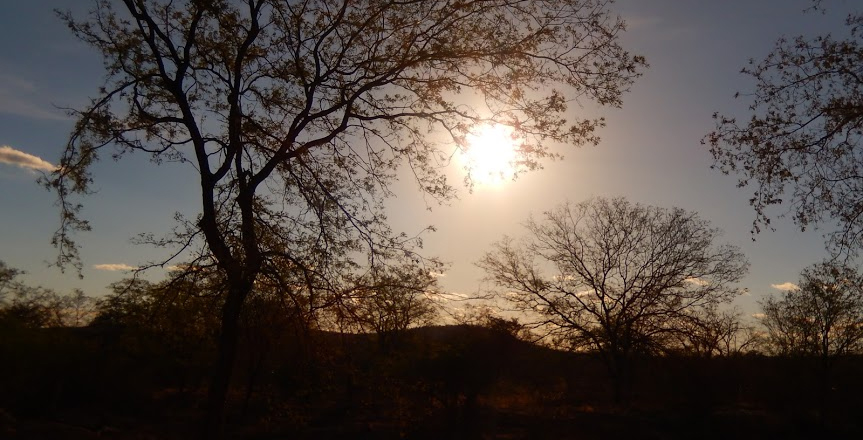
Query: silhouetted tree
point(312, 106)
point(9, 283)
point(129, 304)
point(391, 301)
point(615, 277)
point(713, 332)
point(34, 307)
point(37, 307)
point(800, 147)
point(823, 317)
point(486, 316)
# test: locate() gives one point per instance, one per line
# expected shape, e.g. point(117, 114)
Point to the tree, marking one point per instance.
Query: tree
point(37, 307)
point(129, 304)
point(8, 281)
point(613, 276)
point(822, 318)
point(715, 332)
point(390, 302)
point(800, 147)
point(297, 114)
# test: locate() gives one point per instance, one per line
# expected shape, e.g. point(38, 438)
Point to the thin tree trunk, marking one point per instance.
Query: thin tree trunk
point(214, 418)
point(620, 370)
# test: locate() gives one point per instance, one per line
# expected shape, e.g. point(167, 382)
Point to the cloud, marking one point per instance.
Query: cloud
point(697, 281)
point(183, 267)
point(446, 296)
point(11, 156)
point(114, 267)
point(12, 82)
point(785, 287)
point(21, 97)
point(758, 315)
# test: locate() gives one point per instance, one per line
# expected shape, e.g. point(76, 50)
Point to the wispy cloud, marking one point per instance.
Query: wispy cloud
point(13, 82)
point(758, 315)
point(697, 281)
point(446, 296)
point(785, 287)
point(114, 267)
point(183, 267)
point(11, 156)
point(20, 97)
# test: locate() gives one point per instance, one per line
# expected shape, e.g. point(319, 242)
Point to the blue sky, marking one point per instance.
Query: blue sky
point(650, 151)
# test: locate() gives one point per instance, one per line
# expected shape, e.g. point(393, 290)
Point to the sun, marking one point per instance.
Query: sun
point(490, 156)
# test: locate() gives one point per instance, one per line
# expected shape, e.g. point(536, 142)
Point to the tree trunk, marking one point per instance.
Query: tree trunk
point(621, 377)
point(214, 419)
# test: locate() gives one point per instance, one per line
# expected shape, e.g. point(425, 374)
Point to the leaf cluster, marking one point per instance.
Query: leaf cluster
point(800, 148)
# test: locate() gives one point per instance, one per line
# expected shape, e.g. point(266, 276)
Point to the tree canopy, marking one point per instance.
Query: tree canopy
point(800, 148)
point(615, 276)
point(295, 116)
point(823, 317)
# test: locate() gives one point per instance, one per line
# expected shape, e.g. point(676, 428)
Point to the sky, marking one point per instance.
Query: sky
point(649, 153)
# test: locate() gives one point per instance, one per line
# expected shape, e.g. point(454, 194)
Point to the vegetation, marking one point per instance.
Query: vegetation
point(296, 115)
point(38, 307)
point(616, 277)
point(293, 309)
point(823, 317)
point(800, 146)
point(369, 366)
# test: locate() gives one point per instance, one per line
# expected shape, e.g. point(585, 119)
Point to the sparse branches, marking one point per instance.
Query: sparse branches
point(822, 318)
point(713, 332)
point(38, 307)
point(615, 277)
point(300, 113)
point(801, 146)
point(391, 301)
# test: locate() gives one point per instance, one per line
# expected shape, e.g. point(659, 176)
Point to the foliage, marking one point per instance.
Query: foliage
point(392, 301)
point(38, 307)
point(823, 317)
point(801, 146)
point(713, 332)
point(483, 315)
point(296, 116)
point(181, 312)
point(8, 282)
point(614, 276)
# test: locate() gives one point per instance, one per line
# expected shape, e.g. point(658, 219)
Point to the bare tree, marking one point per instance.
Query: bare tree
point(298, 113)
point(613, 276)
point(801, 146)
point(80, 309)
point(9, 283)
point(391, 301)
point(823, 317)
point(713, 332)
point(36, 307)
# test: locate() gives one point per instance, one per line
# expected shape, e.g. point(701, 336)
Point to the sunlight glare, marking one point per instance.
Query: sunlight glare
point(490, 157)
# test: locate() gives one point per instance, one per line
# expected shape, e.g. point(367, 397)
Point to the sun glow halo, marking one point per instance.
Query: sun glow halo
point(490, 156)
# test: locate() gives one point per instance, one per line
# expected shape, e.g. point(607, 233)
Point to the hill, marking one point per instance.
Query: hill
point(425, 383)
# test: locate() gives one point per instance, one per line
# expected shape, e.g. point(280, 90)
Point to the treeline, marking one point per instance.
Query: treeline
point(355, 367)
